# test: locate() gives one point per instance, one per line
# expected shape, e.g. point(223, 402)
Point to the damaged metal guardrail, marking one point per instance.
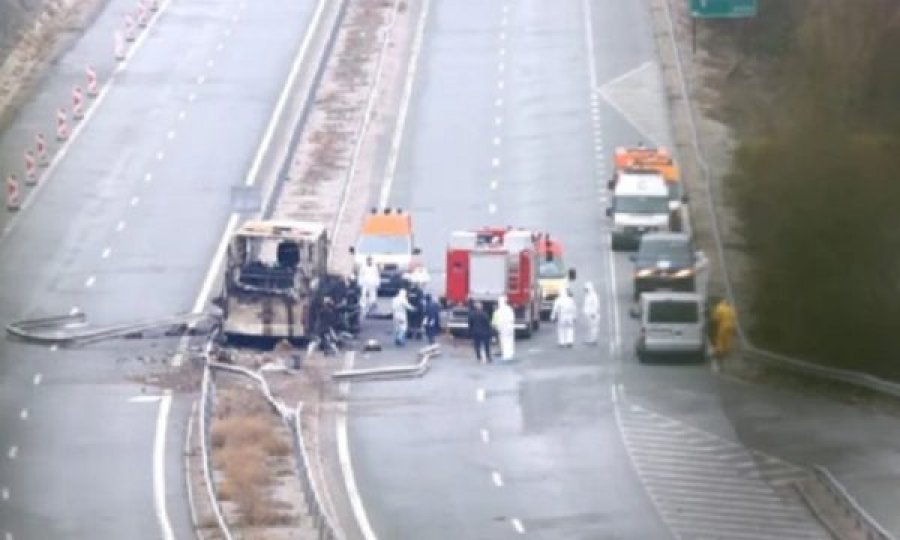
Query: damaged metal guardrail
point(62, 329)
point(775, 359)
point(322, 522)
point(416, 370)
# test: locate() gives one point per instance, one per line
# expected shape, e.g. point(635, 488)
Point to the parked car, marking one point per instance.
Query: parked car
point(672, 325)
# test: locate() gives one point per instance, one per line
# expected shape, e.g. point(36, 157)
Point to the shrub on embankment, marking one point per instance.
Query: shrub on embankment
point(817, 186)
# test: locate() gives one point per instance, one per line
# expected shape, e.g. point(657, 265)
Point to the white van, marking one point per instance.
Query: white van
point(672, 324)
point(640, 204)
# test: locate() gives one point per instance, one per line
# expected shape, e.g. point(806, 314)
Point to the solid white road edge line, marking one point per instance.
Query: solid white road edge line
point(282, 99)
point(159, 467)
point(412, 68)
point(343, 448)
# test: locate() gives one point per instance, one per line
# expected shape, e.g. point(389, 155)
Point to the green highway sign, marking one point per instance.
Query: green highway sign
point(723, 9)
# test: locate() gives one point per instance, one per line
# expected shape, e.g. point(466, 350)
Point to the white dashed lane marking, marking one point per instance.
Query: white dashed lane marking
point(134, 201)
point(517, 525)
point(496, 479)
point(36, 380)
point(192, 96)
point(5, 494)
point(708, 487)
point(201, 79)
point(160, 155)
point(492, 208)
point(485, 436)
point(170, 135)
point(148, 177)
point(23, 414)
point(120, 226)
point(480, 394)
point(106, 253)
point(90, 282)
point(13, 452)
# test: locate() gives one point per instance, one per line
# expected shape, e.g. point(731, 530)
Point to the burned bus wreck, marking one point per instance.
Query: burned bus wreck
point(273, 275)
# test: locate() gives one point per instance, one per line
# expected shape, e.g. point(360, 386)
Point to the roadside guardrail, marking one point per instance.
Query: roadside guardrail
point(855, 378)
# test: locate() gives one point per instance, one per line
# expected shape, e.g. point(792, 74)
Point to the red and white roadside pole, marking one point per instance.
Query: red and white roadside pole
point(31, 176)
point(129, 28)
point(143, 14)
point(77, 103)
point(92, 89)
point(119, 45)
point(62, 124)
point(13, 194)
point(40, 149)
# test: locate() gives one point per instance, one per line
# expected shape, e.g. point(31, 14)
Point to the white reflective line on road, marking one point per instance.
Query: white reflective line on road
point(90, 282)
point(517, 525)
point(23, 414)
point(9, 536)
point(220, 46)
point(485, 436)
point(5, 494)
point(160, 155)
point(494, 184)
point(170, 135)
point(148, 177)
point(201, 79)
point(134, 201)
point(13, 452)
point(495, 162)
point(492, 208)
point(480, 394)
point(500, 84)
point(120, 226)
point(499, 102)
point(505, 8)
point(74, 311)
point(501, 67)
point(36, 380)
point(498, 121)
point(159, 468)
point(497, 141)
point(504, 21)
point(235, 18)
point(497, 479)
point(182, 114)
point(192, 96)
point(210, 63)
point(502, 51)
point(502, 36)
point(227, 32)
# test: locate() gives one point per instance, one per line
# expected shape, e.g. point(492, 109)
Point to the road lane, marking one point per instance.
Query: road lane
point(514, 123)
point(105, 237)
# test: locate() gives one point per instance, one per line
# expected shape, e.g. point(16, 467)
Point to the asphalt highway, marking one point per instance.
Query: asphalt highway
point(517, 109)
point(124, 229)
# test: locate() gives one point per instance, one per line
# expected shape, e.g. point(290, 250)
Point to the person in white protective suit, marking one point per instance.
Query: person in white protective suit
point(369, 279)
point(591, 310)
point(504, 321)
point(564, 313)
point(399, 308)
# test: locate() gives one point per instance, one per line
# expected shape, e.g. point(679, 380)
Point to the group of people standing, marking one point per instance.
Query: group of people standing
point(501, 323)
point(415, 314)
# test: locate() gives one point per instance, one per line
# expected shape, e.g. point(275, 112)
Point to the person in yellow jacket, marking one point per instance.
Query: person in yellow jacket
point(725, 326)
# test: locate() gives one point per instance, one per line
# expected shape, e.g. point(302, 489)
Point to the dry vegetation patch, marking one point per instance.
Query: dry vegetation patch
point(253, 458)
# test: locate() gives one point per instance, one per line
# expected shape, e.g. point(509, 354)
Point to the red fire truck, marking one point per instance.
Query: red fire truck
point(482, 265)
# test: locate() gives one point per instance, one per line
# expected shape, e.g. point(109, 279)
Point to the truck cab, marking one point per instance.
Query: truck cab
point(488, 263)
point(553, 276)
point(387, 237)
point(640, 205)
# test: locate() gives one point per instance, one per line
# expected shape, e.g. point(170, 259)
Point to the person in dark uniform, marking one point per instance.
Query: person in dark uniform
point(480, 330)
point(416, 316)
point(326, 323)
point(432, 321)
